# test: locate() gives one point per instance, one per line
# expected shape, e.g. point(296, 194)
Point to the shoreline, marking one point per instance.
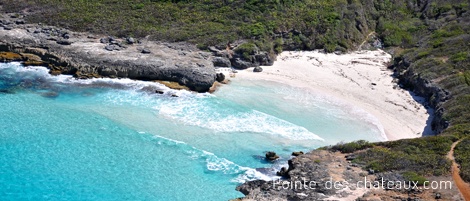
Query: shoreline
point(358, 79)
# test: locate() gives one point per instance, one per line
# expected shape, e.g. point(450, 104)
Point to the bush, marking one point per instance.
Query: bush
point(461, 56)
point(414, 177)
point(351, 146)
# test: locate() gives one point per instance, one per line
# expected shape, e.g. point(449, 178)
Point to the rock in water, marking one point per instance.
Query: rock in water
point(220, 77)
point(297, 153)
point(283, 172)
point(258, 69)
point(271, 156)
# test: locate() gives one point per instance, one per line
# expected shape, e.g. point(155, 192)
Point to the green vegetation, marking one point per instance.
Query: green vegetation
point(310, 24)
point(415, 157)
point(462, 156)
point(431, 40)
point(352, 146)
point(413, 177)
point(425, 156)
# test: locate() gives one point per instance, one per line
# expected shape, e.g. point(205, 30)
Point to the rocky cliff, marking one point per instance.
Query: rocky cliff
point(86, 56)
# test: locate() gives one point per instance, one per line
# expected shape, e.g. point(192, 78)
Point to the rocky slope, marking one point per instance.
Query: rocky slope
point(85, 56)
point(330, 175)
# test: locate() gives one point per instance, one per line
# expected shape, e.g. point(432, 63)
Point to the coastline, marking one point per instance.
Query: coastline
point(358, 79)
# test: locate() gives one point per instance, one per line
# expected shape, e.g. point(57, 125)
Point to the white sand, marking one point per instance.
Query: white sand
point(360, 79)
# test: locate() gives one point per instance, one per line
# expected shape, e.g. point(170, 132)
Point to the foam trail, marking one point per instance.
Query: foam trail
point(214, 163)
point(198, 113)
point(341, 109)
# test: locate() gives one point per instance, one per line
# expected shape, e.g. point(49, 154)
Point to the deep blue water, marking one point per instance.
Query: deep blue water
point(103, 139)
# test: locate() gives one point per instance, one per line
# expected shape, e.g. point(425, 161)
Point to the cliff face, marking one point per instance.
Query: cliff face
point(85, 56)
point(434, 94)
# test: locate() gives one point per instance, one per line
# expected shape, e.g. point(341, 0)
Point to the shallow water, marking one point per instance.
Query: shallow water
point(104, 139)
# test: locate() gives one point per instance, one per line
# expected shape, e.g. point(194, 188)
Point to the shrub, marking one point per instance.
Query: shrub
point(461, 56)
point(351, 146)
point(414, 177)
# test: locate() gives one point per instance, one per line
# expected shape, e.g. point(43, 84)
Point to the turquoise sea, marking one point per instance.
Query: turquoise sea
point(105, 139)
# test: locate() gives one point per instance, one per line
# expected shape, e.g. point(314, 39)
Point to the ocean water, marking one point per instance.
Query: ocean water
point(105, 139)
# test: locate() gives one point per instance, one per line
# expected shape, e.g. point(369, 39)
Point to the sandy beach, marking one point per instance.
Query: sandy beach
point(359, 79)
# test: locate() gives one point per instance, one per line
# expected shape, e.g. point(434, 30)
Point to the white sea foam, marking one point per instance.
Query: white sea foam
point(214, 163)
point(224, 119)
point(133, 87)
point(332, 106)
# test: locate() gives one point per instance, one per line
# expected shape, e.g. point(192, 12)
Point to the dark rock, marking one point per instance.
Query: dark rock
point(270, 156)
point(297, 153)
point(113, 41)
point(221, 62)
point(64, 42)
point(258, 69)
point(159, 92)
point(104, 40)
point(220, 77)
point(146, 51)
point(66, 36)
point(351, 157)
point(130, 40)
point(110, 47)
point(371, 171)
point(264, 59)
point(8, 27)
point(19, 22)
point(247, 188)
point(241, 64)
point(283, 172)
point(438, 196)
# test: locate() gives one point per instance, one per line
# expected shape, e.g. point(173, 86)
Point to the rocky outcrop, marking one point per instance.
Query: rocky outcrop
point(297, 153)
point(84, 56)
point(309, 177)
point(435, 95)
point(219, 77)
point(271, 156)
point(241, 55)
point(221, 62)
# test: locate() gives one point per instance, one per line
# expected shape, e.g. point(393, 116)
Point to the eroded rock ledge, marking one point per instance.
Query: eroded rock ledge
point(329, 175)
point(87, 56)
point(311, 176)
